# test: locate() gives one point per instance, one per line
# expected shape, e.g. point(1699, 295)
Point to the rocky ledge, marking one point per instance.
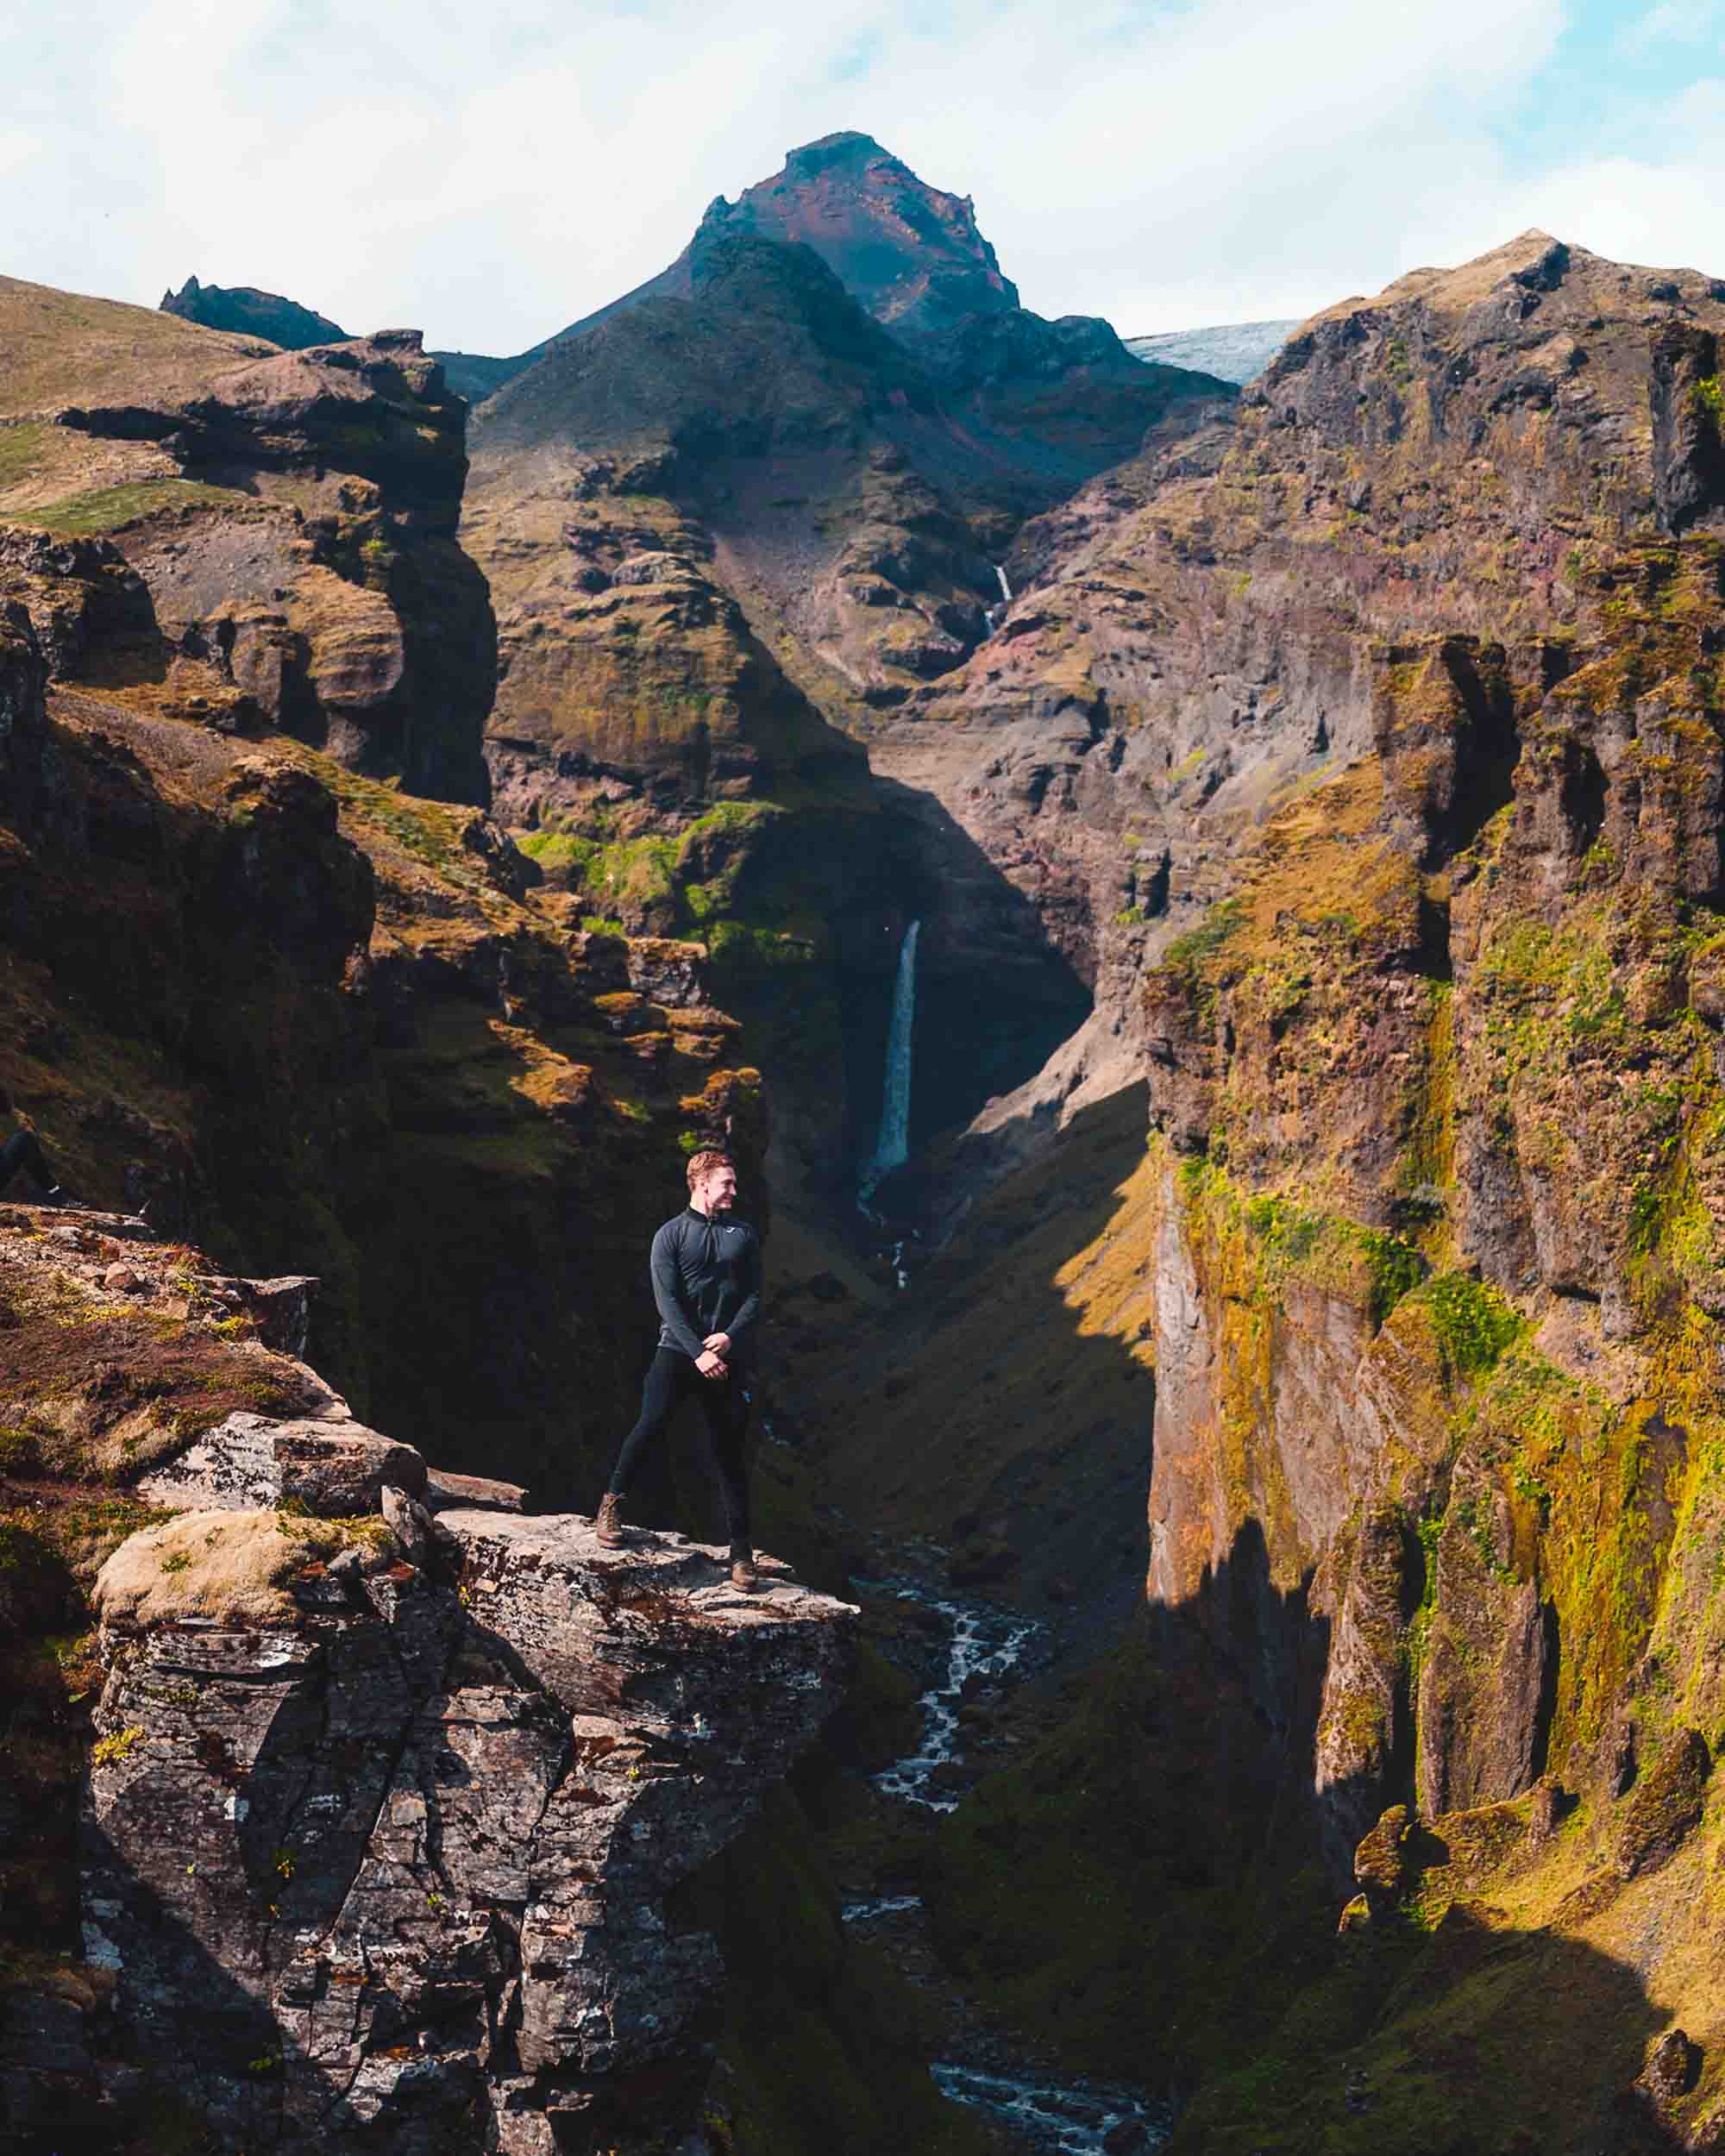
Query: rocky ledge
point(391, 1865)
point(382, 1815)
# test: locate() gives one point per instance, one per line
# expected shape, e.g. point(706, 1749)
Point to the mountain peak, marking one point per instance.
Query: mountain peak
point(912, 254)
point(847, 145)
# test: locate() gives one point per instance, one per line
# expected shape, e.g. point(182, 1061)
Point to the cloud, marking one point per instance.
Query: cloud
point(1661, 211)
point(1673, 22)
point(492, 175)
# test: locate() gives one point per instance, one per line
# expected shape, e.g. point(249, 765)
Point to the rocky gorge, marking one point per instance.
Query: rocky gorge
point(422, 831)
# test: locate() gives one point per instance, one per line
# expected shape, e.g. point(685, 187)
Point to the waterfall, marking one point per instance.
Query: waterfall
point(992, 614)
point(1006, 588)
point(892, 1148)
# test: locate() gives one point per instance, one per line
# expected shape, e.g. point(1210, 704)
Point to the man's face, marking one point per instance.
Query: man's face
point(718, 1188)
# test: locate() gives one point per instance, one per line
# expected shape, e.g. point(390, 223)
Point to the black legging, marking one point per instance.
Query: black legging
point(725, 1404)
point(23, 1149)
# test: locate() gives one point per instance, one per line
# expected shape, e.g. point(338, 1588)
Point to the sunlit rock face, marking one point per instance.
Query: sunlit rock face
point(265, 539)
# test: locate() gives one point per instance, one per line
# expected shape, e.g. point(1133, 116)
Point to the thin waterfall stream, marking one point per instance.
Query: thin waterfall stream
point(891, 1146)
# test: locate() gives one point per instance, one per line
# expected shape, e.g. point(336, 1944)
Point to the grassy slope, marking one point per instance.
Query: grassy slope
point(63, 348)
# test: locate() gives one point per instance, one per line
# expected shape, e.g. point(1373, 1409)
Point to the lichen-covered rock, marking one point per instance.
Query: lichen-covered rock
point(1666, 1805)
point(223, 1567)
point(331, 1468)
point(394, 1871)
point(1381, 1864)
point(1671, 2068)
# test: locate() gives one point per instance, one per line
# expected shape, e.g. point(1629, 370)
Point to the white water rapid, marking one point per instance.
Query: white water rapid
point(1064, 2118)
point(984, 1642)
point(1044, 2112)
point(892, 1148)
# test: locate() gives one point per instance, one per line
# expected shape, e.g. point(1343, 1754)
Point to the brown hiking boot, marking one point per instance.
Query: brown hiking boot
point(744, 1575)
point(608, 1522)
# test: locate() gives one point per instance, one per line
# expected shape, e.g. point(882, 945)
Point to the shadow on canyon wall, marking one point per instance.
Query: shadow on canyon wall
point(996, 995)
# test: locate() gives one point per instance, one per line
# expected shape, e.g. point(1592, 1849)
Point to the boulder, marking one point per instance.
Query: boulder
point(332, 1468)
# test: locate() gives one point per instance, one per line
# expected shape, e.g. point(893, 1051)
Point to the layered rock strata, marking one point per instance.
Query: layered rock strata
point(308, 1016)
point(268, 538)
point(1486, 453)
point(1412, 673)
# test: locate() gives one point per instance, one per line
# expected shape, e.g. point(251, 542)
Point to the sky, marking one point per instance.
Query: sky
point(490, 175)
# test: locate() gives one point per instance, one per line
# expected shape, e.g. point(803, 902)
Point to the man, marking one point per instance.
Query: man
point(22, 1154)
point(706, 1270)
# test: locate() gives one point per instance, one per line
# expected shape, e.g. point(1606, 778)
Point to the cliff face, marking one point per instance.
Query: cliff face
point(731, 522)
point(1410, 686)
point(434, 1821)
point(1221, 623)
point(381, 1811)
point(315, 1019)
point(284, 523)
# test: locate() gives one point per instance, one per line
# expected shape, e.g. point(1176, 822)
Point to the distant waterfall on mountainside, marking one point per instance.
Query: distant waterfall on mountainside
point(892, 1148)
point(992, 614)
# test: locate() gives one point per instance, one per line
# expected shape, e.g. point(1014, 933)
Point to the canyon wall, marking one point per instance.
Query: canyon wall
point(1431, 1049)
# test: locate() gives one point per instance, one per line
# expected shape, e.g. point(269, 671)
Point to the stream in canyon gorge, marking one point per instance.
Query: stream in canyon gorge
point(1041, 2112)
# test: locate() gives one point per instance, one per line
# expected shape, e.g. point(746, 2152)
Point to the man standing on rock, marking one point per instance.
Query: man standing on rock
point(706, 1270)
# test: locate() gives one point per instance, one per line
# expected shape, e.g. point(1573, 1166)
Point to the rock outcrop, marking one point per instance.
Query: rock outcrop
point(384, 1798)
point(432, 1817)
point(269, 542)
point(252, 313)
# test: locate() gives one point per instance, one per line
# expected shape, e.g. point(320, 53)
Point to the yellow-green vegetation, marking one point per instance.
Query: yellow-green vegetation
point(1596, 1067)
point(24, 447)
point(1264, 1241)
point(1472, 1322)
point(236, 1566)
point(105, 508)
point(1288, 969)
point(107, 1752)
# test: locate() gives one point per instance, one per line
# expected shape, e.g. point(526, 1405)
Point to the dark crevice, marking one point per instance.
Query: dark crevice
point(1545, 1708)
point(1487, 752)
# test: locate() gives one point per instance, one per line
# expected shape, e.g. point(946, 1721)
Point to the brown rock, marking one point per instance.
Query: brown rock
point(1672, 2065)
point(1665, 1806)
point(1381, 1864)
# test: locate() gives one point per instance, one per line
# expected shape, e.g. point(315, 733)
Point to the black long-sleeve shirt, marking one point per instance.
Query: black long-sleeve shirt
point(706, 1278)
